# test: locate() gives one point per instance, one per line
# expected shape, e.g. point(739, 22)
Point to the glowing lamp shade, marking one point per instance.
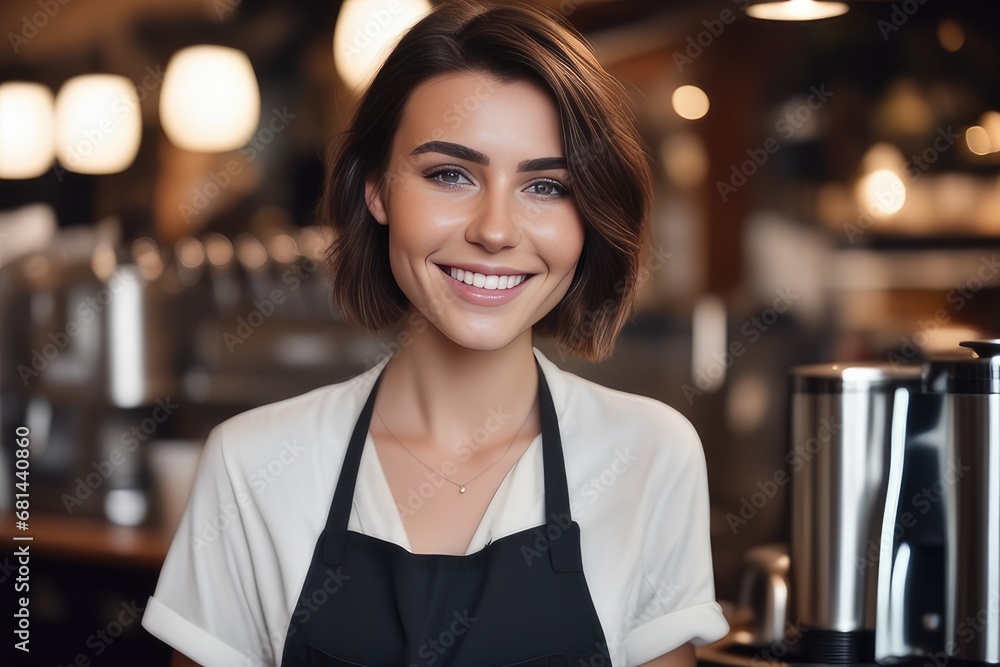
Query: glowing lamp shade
point(796, 10)
point(367, 30)
point(210, 101)
point(27, 140)
point(98, 124)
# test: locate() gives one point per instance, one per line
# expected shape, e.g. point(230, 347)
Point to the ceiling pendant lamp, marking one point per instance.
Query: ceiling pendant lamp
point(27, 141)
point(210, 100)
point(796, 10)
point(366, 31)
point(98, 124)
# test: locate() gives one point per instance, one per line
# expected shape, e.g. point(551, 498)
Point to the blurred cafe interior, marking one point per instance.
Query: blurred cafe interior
point(827, 189)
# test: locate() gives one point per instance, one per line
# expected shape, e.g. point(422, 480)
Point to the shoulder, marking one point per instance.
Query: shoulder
point(601, 415)
point(303, 423)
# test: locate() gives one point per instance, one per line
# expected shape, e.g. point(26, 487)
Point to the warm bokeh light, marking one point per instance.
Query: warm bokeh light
point(796, 10)
point(904, 110)
point(984, 138)
point(883, 156)
point(951, 35)
point(210, 100)
point(190, 252)
point(685, 159)
point(219, 250)
point(990, 122)
point(978, 140)
point(98, 124)
point(146, 253)
point(27, 119)
point(690, 102)
point(367, 30)
point(250, 252)
point(882, 193)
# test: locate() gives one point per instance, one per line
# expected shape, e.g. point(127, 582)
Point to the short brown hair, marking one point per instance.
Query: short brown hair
point(611, 178)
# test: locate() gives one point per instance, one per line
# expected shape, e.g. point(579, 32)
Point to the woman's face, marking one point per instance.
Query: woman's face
point(484, 236)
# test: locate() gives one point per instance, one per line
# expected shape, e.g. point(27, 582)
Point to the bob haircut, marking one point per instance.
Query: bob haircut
point(607, 164)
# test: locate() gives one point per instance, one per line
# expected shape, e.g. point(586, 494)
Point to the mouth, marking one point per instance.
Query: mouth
point(484, 280)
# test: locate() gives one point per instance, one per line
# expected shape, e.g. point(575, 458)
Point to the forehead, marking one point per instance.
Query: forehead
point(477, 110)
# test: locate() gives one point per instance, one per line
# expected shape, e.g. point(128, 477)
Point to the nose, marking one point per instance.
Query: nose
point(495, 223)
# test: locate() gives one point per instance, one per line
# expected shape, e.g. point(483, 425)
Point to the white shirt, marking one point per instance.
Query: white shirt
point(637, 486)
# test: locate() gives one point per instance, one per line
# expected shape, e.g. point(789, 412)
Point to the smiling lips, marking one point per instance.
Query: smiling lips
point(484, 281)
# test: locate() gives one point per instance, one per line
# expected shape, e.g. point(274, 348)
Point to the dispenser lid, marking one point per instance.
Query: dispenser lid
point(838, 378)
point(973, 375)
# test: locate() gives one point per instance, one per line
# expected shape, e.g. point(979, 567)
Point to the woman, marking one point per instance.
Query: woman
point(464, 501)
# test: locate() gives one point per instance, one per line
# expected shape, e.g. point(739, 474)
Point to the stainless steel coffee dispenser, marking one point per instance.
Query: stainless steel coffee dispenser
point(970, 422)
point(844, 420)
point(895, 533)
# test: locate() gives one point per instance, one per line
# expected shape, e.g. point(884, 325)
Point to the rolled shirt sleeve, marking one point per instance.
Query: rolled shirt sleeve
point(677, 600)
point(206, 603)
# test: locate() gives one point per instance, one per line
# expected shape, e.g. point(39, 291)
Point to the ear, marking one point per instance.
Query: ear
point(373, 198)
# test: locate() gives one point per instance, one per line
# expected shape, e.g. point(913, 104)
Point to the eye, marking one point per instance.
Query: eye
point(549, 189)
point(447, 176)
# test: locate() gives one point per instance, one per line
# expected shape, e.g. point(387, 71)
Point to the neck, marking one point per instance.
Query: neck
point(438, 390)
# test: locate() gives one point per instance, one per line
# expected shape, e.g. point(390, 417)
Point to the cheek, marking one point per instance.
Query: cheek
point(566, 241)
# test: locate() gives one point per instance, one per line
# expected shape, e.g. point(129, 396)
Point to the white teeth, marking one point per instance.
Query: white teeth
point(486, 282)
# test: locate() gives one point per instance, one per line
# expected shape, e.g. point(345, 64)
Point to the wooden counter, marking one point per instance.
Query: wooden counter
point(88, 539)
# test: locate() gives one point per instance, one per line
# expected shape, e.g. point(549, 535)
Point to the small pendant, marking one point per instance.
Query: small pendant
point(461, 489)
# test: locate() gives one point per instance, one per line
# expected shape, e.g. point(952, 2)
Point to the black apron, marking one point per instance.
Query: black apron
point(521, 600)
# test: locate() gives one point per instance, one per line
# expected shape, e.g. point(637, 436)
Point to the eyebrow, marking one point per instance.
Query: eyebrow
point(465, 153)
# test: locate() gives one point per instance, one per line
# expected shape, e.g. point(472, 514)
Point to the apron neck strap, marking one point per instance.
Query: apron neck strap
point(558, 520)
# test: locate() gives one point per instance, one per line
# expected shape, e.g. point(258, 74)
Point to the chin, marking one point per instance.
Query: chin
point(486, 339)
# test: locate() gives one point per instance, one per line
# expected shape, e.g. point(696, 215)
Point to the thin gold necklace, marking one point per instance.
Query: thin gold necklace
point(461, 487)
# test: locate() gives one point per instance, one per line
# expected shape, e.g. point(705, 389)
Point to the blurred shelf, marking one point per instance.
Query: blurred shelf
point(89, 539)
point(916, 269)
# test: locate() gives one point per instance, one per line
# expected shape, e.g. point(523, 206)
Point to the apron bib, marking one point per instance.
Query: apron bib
point(521, 600)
